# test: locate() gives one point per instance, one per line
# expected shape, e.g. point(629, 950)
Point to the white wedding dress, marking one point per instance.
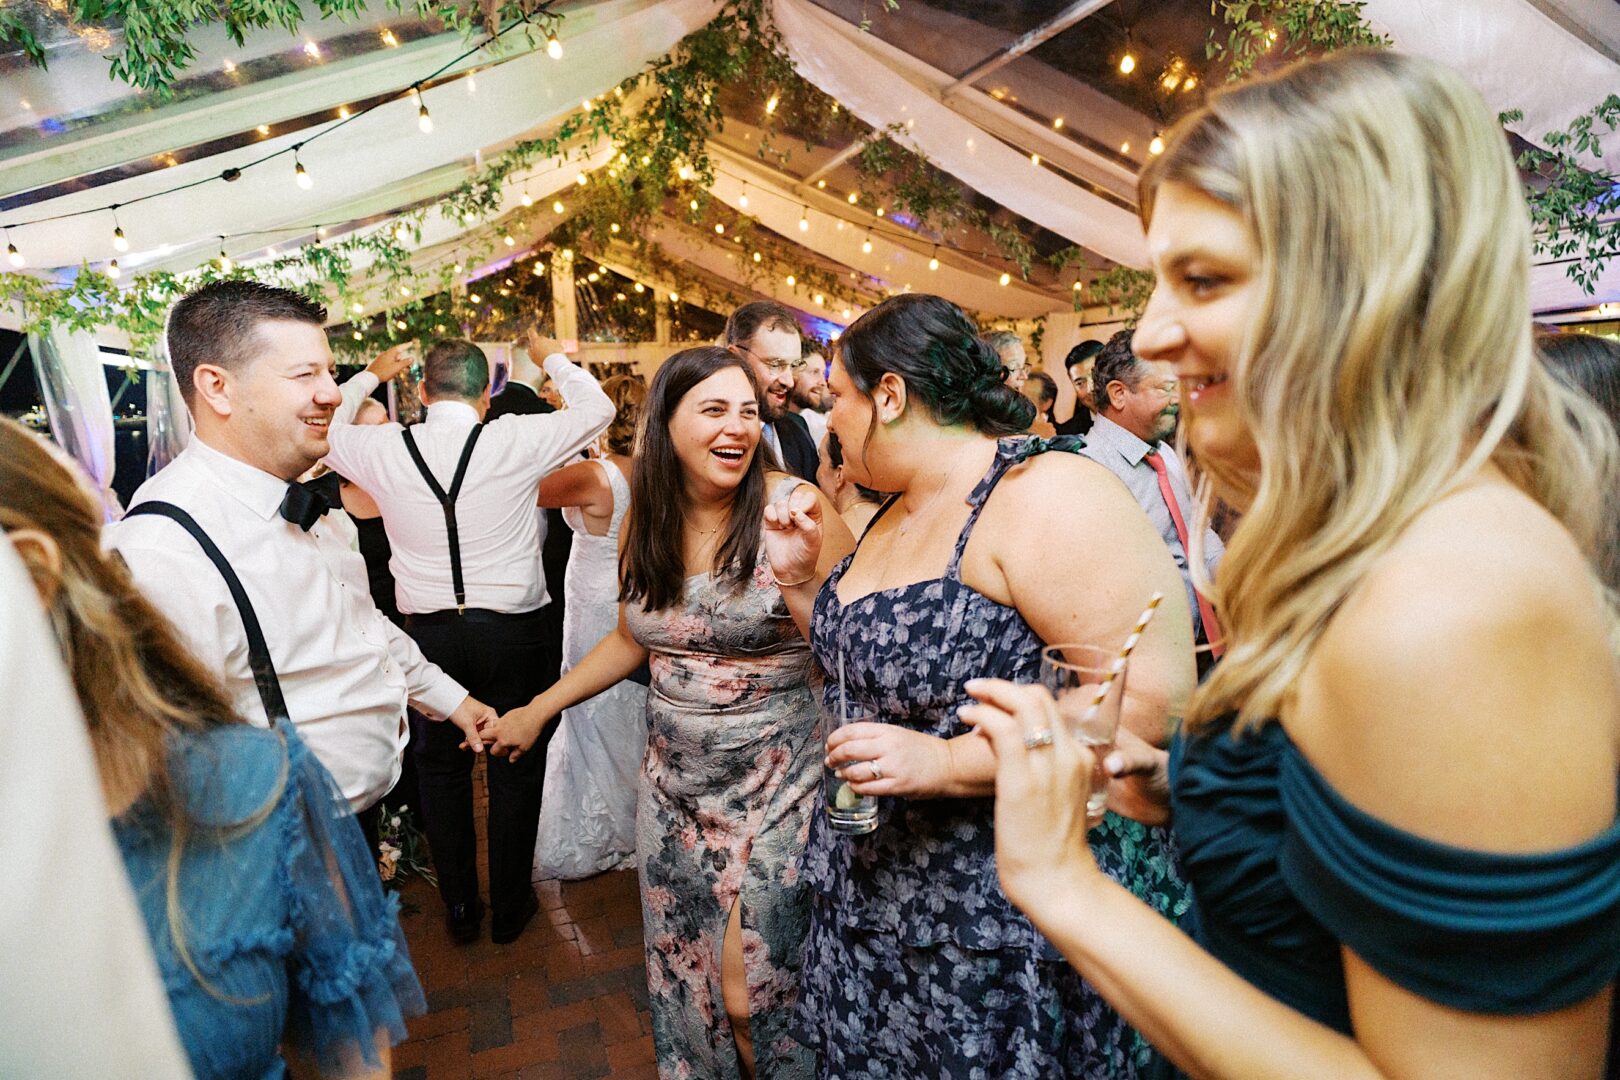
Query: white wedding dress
point(593, 767)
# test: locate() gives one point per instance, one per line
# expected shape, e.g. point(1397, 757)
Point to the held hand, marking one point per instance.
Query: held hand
point(541, 347)
point(881, 759)
point(470, 716)
point(514, 733)
point(390, 364)
point(1139, 787)
point(1041, 792)
point(793, 535)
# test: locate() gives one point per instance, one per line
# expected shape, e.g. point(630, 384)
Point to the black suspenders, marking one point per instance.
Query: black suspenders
point(447, 502)
point(264, 671)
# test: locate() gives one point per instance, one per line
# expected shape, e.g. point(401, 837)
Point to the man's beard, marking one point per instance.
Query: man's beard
point(805, 401)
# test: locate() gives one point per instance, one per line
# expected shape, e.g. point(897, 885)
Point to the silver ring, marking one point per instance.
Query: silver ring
point(1037, 739)
point(877, 773)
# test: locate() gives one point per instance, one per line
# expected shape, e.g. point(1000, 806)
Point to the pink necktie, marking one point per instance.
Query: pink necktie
point(1206, 612)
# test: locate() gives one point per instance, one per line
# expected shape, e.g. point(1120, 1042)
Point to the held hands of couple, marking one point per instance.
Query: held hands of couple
point(793, 536)
point(472, 717)
point(512, 734)
point(1041, 791)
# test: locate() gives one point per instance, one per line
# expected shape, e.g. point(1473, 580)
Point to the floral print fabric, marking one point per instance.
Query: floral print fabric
point(917, 964)
point(728, 789)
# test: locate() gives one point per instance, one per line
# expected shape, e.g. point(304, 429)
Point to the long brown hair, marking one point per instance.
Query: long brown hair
point(652, 566)
point(136, 683)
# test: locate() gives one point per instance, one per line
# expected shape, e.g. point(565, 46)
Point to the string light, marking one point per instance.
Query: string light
point(300, 174)
point(1006, 278)
point(821, 184)
point(933, 263)
point(389, 39)
point(113, 271)
point(554, 47)
point(757, 256)
point(120, 243)
point(1035, 159)
point(508, 240)
point(528, 200)
point(674, 297)
point(1127, 63)
point(684, 172)
point(312, 49)
point(866, 245)
point(225, 263)
point(614, 228)
point(820, 300)
point(582, 179)
point(263, 129)
point(804, 220)
point(343, 112)
point(742, 200)
point(1057, 123)
point(357, 307)
point(1157, 145)
point(792, 281)
point(557, 206)
point(423, 120)
point(1125, 147)
point(854, 198)
point(694, 205)
point(719, 229)
point(539, 269)
point(358, 336)
point(640, 288)
point(770, 106)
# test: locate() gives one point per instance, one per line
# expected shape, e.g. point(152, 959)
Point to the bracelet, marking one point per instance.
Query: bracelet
point(780, 584)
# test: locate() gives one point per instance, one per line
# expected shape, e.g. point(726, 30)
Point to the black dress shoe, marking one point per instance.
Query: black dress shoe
point(463, 921)
point(504, 930)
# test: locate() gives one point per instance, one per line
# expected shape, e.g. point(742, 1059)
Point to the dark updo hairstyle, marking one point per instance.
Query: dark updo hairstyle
point(627, 392)
point(1588, 363)
point(652, 563)
point(932, 344)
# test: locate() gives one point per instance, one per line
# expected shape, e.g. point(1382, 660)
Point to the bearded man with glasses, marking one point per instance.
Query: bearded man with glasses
point(767, 335)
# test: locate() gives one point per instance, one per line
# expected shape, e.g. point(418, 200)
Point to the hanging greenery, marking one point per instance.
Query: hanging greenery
point(1287, 30)
point(1575, 210)
point(154, 52)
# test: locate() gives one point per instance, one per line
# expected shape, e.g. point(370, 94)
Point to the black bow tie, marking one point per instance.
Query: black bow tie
point(302, 506)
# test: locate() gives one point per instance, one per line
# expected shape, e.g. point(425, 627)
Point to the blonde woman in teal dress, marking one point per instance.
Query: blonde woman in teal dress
point(733, 766)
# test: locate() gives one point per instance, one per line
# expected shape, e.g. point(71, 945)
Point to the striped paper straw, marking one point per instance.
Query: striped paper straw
point(1124, 655)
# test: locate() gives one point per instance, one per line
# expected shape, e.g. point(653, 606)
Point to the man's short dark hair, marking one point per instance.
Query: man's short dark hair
point(1048, 387)
point(750, 319)
point(1081, 353)
point(1116, 363)
point(217, 324)
point(455, 368)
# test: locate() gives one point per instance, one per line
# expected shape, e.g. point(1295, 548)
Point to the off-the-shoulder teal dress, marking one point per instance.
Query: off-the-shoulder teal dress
point(282, 913)
point(1285, 871)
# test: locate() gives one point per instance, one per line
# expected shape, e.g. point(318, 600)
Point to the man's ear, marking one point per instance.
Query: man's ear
point(42, 555)
point(889, 397)
point(211, 389)
point(1116, 394)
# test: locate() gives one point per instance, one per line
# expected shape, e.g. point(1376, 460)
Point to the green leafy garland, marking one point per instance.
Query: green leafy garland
point(155, 51)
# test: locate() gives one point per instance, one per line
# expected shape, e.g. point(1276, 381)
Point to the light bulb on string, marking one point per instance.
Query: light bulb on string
point(1127, 63)
point(757, 256)
point(554, 47)
point(1006, 279)
point(770, 106)
point(640, 288)
point(804, 220)
point(113, 271)
point(423, 120)
point(866, 245)
point(225, 264)
point(1157, 145)
point(742, 200)
point(508, 240)
point(300, 174)
point(528, 200)
point(792, 281)
point(933, 263)
point(13, 256)
point(557, 206)
point(614, 228)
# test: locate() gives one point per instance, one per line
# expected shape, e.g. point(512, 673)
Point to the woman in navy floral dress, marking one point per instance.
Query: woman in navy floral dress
point(916, 964)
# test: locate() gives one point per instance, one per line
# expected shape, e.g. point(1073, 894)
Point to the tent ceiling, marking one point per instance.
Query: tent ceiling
point(1521, 53)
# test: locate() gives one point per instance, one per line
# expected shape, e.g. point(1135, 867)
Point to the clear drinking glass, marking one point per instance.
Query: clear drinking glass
point(1088, 683)
point(847, 812)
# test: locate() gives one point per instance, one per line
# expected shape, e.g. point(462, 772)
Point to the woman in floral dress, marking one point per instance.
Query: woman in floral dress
point(728, 787)
point(916, 964)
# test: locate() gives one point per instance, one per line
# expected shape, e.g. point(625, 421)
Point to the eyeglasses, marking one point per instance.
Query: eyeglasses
point(778, 364)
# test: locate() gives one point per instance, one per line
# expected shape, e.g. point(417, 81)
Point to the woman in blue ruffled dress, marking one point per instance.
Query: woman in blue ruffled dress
point(266, 915)
point(1395, 796)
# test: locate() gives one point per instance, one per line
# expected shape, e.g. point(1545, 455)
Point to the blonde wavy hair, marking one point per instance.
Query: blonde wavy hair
point(137, 684)
point(1390, 355)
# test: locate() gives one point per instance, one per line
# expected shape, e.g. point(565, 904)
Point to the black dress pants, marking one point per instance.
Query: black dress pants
point(495, 656)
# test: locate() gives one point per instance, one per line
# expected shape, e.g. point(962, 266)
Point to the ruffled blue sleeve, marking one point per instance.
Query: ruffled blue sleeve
point(351, 974)
point(1473, 930)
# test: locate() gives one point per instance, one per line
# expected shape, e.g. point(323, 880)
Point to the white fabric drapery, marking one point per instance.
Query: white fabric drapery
point(73, 384)
point(862, 73)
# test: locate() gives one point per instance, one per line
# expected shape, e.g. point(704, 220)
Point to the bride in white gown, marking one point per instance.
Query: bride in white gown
point(593, 767)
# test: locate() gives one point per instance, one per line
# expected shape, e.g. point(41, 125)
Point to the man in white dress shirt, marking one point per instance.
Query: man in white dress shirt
point(458, 502)
point(1137, 409)
point(255, 369)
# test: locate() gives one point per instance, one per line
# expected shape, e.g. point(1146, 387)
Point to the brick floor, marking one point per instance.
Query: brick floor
point(566, 1001)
